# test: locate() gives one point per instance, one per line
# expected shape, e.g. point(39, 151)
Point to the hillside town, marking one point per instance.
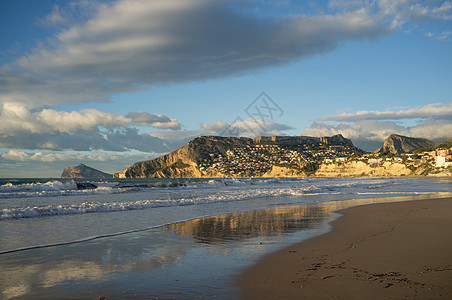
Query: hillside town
point(256, 160)
point(431, 160)
point(296, 156)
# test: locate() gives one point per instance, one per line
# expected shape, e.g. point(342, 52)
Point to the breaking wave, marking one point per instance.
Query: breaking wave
point(193, 193)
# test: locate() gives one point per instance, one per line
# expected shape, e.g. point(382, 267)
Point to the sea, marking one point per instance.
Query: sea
point(42, 218)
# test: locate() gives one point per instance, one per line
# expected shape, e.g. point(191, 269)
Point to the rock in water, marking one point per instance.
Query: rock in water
point(84, 172)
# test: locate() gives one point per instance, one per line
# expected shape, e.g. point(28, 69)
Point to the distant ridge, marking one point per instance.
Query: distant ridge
point(399, 144)
point(84, 172)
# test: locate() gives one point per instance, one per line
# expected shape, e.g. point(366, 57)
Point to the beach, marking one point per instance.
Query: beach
point(400, 250)
point(168, 239)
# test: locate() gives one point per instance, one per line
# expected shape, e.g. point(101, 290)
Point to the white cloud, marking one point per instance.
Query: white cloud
point(17, 119)
point(368, 129)
point(400, 12)
point(443, 36)
point(427, 111)
point(433, 129)
point(23, 156)
point(83, 130)
point(67, 13)
point(92, 156)
point(180, 135)
point(249, 127)
point(363, 129)
point(51, 164)
point(134, 44)
point(129, 45)
point(155, 120)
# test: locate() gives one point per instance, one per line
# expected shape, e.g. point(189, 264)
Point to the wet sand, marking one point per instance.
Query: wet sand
point(379, 251)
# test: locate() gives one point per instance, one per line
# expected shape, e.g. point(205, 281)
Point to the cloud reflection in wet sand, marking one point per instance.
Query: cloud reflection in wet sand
point(159, 261)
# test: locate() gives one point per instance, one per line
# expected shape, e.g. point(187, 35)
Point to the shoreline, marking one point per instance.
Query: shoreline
point(387, 250)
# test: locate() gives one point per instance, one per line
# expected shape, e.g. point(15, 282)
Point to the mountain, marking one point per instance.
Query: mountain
point(398, 144)
point(446, 143)
point(215, 156)
point(84, 172)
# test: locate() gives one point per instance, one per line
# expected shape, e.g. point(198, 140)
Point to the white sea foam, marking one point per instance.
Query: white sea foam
point(58, 188)
point(212, 191)
point(78, 211)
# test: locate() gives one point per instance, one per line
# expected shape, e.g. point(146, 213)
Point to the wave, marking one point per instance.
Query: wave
point(54, 188)
point(212, 191)
point(57, 188)
point(98, 207)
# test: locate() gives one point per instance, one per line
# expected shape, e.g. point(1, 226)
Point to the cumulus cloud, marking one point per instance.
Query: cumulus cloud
point(102, 49)
point(51, 164)
point(84, 130)
point(23, 156)
point(17, 119)
point(154, 120)
point(249, 127)
point(368, 129)
point(428, 111)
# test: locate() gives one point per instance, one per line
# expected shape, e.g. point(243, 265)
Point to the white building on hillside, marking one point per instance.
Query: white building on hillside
point(440, 161)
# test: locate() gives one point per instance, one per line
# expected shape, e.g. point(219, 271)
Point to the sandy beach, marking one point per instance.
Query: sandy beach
point(380, 251)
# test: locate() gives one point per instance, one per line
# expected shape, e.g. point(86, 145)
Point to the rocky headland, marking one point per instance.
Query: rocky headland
point(215, 156)
point(84, 172)
point(296, 156)
point(288, 156)
point(398, 144)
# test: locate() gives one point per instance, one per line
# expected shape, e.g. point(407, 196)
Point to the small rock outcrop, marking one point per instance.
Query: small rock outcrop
point(84, 172)
point(399, 144)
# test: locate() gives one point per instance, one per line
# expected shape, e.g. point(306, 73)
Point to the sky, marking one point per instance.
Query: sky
point(110, 83)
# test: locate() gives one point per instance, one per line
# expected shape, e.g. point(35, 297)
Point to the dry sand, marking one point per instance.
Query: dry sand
point(382, 251)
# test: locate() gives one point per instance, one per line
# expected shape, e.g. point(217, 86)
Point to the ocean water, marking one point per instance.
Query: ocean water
point(167, 239)
point(44, 212)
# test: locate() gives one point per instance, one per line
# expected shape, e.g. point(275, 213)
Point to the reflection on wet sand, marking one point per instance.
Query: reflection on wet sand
point(33, 273)
point(154, 262)
point(272, 221)
point(249, 224)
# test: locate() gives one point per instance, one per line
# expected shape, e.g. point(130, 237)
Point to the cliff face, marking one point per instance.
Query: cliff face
point(358, 168)
point(398, 144)
point(278, 171)
point(384, 169)
point(184, 162)
point(84, 172)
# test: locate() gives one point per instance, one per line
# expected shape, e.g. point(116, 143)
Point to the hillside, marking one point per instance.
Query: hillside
point(214, 156)
point(84, 172)
point(398, 144)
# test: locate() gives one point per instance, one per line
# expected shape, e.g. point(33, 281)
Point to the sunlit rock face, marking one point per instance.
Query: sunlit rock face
point(398, 144)
point(263, 156)
point(84, 172)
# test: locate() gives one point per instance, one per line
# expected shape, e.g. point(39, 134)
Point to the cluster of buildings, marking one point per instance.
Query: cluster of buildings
point(436, 158)
point(442, 157)
point(256, 160)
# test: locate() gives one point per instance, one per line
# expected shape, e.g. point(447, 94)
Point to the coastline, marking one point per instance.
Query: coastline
point(389, 250)
point(183, 259)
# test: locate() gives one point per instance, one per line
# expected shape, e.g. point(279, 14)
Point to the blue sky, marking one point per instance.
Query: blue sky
point(109, 83)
